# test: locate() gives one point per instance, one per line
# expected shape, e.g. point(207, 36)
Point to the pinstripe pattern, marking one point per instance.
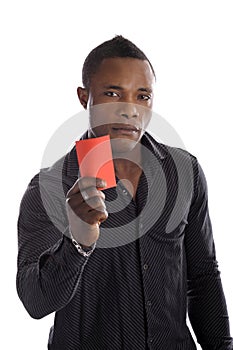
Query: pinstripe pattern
point(135, 295)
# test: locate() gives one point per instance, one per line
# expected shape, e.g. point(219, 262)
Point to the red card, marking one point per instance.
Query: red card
point(95, 159)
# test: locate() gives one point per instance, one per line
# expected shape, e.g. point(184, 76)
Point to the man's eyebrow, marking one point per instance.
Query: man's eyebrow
point(149, 90)
point(116, 87)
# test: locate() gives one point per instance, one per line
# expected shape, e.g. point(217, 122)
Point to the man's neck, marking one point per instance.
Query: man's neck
point(128, 170)
point(129, 162)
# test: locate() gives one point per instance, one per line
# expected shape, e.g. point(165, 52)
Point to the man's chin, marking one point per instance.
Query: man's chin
point(123, 145)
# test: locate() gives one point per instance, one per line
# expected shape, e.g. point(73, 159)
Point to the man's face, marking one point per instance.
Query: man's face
point(120, 100)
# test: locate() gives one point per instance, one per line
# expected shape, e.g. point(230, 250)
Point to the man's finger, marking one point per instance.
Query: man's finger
point(97, 216)
point(96, 202)
point(85, 182)
point(91, 192)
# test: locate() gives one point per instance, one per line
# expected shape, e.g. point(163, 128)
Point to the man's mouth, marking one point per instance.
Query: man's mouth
point(125, 129)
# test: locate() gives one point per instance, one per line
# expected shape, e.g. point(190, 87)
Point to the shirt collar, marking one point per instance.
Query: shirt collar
point(158, 149)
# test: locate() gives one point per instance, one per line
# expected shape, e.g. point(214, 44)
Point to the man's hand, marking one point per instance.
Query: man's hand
point(86, 209)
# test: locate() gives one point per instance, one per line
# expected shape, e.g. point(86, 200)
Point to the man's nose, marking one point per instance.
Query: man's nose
point(128, 110)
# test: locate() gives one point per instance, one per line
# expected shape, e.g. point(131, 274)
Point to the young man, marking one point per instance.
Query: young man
point(120, 266)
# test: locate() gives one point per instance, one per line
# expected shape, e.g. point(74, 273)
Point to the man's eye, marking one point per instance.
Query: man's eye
point(111, 94)
point(144, 97)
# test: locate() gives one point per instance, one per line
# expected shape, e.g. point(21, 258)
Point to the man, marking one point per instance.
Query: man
point(119, 265)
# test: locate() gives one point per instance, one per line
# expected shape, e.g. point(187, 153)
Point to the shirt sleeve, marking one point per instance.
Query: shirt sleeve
point(207, 307)
point(49, 266)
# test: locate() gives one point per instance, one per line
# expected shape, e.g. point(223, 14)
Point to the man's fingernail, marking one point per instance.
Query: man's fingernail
point(102, 183)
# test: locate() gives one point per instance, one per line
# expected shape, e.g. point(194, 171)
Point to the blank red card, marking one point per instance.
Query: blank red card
point(95, 159)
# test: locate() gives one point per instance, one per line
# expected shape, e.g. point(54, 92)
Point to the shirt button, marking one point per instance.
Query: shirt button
point(148, 303)
point(124, 192)
point(145, 266)
point(141, 226)
point(150, 340)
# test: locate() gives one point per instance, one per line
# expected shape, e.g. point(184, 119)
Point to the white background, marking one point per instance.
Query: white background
point(43, 46)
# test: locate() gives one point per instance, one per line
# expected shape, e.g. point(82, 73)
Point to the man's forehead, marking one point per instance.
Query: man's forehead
point(117, 71)
point(125, 62)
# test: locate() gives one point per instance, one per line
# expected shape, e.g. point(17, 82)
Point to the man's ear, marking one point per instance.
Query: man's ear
point(83, 96)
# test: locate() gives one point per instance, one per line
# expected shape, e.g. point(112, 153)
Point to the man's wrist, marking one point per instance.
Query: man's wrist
point(83, 250)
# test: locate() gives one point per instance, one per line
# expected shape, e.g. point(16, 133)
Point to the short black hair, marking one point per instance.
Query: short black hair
point(116, 47)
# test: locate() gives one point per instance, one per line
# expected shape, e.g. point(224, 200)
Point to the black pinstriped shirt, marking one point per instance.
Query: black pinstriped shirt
point(154, 261)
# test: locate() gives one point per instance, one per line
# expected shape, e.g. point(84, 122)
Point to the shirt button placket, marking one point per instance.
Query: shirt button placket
point(148, 304)
point(150, 343)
